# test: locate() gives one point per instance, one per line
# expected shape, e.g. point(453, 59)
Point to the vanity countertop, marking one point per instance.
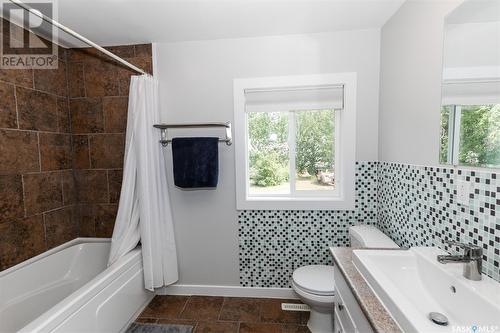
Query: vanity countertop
point(380, 320)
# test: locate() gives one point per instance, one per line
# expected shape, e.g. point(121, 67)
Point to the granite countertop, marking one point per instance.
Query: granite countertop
point(378, 317)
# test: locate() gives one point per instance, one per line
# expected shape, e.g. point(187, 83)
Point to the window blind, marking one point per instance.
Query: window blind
point(471, 92)
point(294, 99)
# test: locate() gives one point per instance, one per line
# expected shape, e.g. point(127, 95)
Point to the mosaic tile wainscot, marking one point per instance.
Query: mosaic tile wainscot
point(414, 205)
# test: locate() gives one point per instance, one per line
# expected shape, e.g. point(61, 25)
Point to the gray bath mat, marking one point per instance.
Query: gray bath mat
point(163, 328)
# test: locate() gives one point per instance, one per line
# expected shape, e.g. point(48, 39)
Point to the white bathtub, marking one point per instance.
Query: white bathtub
point(70, 289)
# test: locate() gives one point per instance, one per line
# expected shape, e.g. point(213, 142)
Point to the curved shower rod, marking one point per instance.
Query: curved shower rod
point(77, 35)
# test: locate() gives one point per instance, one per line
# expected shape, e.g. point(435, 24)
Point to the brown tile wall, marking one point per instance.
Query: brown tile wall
point(98, 101)
point(37, 193)
point(62, 134)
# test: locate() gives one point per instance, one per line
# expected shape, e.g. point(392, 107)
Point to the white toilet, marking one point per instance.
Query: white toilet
point(314, 284)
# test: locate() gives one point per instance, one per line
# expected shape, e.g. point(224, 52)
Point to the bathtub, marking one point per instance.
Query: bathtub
point(70, 289)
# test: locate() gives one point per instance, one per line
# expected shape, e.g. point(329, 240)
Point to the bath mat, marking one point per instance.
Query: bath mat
point(157, 328)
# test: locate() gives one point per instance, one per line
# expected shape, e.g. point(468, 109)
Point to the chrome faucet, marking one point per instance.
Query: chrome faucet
point(472, 258)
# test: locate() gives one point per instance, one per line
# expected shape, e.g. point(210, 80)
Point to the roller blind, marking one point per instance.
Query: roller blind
point(472, 92)
point(296, 98)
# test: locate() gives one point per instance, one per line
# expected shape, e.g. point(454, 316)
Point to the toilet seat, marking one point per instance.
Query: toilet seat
point(314, 279)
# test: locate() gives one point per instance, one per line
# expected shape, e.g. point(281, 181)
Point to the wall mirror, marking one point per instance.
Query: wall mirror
point(470, 108)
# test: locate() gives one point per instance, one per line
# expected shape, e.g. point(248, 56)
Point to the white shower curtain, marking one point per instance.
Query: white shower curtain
point(144, 212)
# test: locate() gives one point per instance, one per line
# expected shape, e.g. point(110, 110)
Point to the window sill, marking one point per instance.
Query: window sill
point(295, 203)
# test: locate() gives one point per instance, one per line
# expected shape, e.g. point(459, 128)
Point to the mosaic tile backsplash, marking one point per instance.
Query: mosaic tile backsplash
point(273, 243)
point(414, 205)
point(417, 206)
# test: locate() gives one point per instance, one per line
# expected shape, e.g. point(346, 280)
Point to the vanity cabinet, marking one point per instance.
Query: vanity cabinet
point(348, 316)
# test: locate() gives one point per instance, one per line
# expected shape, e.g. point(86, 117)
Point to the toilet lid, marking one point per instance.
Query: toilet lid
point(315, 279)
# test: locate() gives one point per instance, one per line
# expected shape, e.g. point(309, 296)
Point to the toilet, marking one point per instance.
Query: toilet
point(314, 283)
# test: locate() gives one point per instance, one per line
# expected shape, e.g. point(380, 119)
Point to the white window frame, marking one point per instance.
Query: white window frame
point(343, 198)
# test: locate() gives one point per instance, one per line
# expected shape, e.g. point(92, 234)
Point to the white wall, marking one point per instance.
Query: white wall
point(196, 82)
point(410, 82)
point(472, 45)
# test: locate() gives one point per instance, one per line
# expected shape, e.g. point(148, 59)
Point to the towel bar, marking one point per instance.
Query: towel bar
point(165, 141)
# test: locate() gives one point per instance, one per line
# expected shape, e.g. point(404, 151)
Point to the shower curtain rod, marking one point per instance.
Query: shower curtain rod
point(77, 35)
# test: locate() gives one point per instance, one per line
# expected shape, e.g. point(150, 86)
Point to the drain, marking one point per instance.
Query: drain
point(295, 307)
point(438, 318)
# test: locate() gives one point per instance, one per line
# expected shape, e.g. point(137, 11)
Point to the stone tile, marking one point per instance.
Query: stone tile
point(69, 188)
point(81, 155)
point(97, 220)
point(123, 51)
point(36, 110)
point(202, 308)
point(8, 116)
point(105, 220)
point(21, 240)
point(146, 320)
point(19, 77)
point(11, 198)
point(100, 78)
point(271, 312)
point(106, 151)
point(55, 151)
point(76, 81)
point(86, 221)
point(168, 321)
point(42, 192)
point(143, 50)
point(115, 184)
point(216, 327)
point(115, 114)
point(64, 119)
point(81, 54)
point(169, 306)
point(240, 309)
point(290, 328)
point(53, 81)
point(60, 226)
point(124, 74)
point(259, 328)
point(92, 186)
point(86, 115)
point(18, 151)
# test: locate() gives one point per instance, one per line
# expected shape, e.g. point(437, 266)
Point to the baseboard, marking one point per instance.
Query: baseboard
point(229, 291)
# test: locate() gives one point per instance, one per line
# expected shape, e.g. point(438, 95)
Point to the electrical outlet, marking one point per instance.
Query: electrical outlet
point(464, 189)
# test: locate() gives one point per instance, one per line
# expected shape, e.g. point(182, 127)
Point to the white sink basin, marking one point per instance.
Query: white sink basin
point(411, 284)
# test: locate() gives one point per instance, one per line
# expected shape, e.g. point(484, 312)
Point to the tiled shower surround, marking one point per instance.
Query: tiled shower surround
point(61, 150)
point(414, 205)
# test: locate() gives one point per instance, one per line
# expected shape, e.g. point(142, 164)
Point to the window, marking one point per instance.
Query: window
point(470, 135)
point(295, 142)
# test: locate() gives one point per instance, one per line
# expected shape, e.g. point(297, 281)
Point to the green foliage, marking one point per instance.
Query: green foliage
point(315, 141)
point(269, 153)
point(269, 170)
point(268, 134)
point(444, 135)
point(480, 135)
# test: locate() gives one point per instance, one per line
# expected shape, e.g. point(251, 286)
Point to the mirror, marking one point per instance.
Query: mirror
point(470, 108)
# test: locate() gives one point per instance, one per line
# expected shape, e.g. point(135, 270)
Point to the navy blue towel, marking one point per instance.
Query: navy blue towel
point(196, 162)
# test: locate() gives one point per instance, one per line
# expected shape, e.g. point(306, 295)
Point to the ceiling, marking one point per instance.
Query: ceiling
point(117, 22)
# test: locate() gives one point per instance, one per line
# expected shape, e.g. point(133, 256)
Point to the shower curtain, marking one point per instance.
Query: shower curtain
point(144, 212)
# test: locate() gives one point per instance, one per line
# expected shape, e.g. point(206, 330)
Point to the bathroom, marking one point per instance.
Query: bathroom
point(248, 166)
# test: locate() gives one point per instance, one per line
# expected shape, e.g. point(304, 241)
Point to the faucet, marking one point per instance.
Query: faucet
point(472, 258)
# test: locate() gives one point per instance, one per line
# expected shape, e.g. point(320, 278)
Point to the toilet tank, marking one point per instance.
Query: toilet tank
point(369, 236)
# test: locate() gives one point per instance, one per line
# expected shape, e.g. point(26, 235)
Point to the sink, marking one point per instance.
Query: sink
point(411, 284)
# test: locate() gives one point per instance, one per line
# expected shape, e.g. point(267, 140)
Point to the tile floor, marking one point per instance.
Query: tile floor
point(225, 314)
